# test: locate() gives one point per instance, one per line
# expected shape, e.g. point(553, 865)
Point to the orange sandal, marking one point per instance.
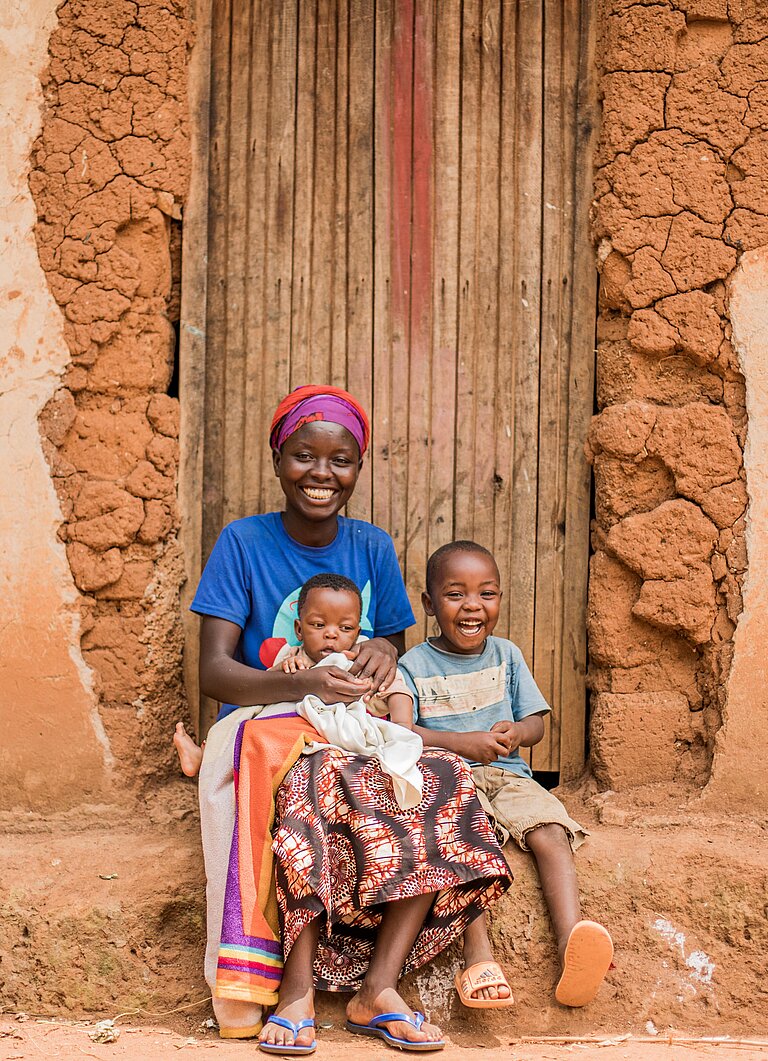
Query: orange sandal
point(250, 1032)
point(587, 959)
point(482, 974)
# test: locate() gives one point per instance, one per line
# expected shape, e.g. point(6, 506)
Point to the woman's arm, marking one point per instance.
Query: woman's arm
point(224, 678)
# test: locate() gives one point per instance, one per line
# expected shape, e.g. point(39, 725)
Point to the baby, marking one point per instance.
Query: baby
point(329, 609)
point(474, 695)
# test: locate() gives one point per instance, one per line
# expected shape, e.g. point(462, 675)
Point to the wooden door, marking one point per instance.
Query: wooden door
point(396, 202)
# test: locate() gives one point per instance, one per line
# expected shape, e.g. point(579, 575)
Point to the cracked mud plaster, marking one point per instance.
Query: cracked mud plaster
point(680, 197)
point(109, 175)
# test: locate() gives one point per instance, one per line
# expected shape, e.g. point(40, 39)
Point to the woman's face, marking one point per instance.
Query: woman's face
point(318, 468)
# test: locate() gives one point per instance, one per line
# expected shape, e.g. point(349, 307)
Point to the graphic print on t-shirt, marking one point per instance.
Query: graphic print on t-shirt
point(284, 631)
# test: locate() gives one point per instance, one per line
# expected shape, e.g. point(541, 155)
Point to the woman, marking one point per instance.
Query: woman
point(246, 595)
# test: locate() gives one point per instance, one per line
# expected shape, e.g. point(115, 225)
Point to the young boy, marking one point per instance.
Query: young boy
point(475, 696)
point(329, 609)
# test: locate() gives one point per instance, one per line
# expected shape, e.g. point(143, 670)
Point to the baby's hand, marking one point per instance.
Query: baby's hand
point(297, 661)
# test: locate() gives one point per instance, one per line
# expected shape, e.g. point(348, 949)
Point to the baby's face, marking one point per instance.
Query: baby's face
point(329, 622)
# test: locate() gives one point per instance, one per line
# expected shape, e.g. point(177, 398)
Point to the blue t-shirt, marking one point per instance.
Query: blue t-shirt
point(255, 571)
point(457, 693)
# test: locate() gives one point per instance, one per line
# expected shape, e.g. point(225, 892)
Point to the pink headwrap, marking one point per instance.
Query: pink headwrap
point(310, 403)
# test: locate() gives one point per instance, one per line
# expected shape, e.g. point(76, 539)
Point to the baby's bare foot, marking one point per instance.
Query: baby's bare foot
point(190, 755)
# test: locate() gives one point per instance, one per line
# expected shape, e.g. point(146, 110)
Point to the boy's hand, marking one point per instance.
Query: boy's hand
point(482, 747)
point(509, 733)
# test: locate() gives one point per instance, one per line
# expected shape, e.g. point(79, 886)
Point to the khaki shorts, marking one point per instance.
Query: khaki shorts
point(516, 805)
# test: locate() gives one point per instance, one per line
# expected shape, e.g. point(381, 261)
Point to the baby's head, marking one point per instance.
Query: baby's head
point(463, 593)
point(329, 615)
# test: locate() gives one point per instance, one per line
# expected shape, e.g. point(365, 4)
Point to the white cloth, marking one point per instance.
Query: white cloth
point(352, 728)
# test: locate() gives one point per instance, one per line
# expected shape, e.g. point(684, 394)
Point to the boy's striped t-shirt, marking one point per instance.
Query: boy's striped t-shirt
point(459, 693)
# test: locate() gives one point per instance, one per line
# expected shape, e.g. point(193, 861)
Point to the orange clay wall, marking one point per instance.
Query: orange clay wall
point(681, 193)
point(109, 175)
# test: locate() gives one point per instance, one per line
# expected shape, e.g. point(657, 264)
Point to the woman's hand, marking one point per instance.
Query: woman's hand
point(331, 684)
point(376, 660)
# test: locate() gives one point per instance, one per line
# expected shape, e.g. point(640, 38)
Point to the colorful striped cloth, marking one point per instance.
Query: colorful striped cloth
point(250, 964)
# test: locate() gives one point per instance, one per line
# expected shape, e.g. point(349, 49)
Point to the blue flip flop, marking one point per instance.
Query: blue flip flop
point(374, 1028)
point(275, 1048)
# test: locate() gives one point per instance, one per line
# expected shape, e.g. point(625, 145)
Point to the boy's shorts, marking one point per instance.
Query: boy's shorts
point(516, 805)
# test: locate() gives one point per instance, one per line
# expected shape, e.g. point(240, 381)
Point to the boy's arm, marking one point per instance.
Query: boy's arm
point(477, 745)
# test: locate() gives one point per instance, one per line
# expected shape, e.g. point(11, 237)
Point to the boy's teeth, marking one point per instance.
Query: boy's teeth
point(317, 494)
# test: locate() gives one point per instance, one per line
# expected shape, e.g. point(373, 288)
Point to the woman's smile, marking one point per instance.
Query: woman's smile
point(318, 493)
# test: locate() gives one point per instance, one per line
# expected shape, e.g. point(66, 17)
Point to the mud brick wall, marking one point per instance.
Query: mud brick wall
point(681, 192)
point(109, 175)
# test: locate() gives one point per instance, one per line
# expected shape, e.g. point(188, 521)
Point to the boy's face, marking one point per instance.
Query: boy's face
point(329, 622)
point(465, 600)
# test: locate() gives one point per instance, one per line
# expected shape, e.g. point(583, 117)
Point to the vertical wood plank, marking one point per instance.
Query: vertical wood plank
point(281, 130)
point(471, 45)
point(254, 426)
point(447, 209)
point(302, 368)
point(509, 316)
point(527, 66)
point(486, 395)
point(359, 221)
point(553, 368)
point(419, 418)
point(383, 412)
point(216, 330)
point(401, 192)
point(238, 231)
point(192, 346)
point(339, 234)
point(580, 396)
point(323, 195)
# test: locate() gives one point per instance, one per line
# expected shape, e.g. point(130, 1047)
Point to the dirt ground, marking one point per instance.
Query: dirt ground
point(102, 913)
point(33, 1038)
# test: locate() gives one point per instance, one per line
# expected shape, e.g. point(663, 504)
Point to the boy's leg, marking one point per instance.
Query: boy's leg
point(538, 821)
point(477, 945)
point(478, 950)
point(551, 849)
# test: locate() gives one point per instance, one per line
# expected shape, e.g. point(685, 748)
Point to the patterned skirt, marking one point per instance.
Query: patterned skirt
point(344, 847)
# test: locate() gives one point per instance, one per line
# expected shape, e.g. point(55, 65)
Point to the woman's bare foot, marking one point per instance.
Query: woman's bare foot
point(190, 755)
point(296, 1003)
point(233, 1015)
point(369, 1003)
point(477, 949)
